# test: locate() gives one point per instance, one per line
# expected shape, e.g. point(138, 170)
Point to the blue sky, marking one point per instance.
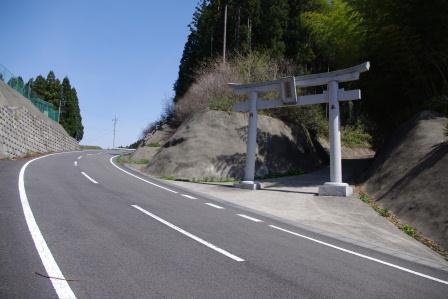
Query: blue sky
point(121, 56)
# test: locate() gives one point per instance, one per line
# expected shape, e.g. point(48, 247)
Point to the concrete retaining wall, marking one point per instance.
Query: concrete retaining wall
point(24, 132)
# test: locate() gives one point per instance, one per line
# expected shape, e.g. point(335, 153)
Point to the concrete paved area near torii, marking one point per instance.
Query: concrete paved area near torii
point(295, 200)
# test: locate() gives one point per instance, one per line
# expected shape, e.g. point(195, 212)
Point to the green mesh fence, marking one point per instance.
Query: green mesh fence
point(17, 83)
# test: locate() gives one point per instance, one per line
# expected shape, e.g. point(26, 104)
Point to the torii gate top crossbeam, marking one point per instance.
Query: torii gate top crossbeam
point(344, 75)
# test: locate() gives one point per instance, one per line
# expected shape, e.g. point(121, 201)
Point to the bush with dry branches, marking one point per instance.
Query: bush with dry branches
point(211, 91)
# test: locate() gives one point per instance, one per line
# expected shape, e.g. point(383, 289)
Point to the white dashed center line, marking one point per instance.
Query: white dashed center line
point(213, 205)
point(196, 238)
point(75, 163)
point(250, 218)
point(79, 158)
point(89, 178)
point(188, 196)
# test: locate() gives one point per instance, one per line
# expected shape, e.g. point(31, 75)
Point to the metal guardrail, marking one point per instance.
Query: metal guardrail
point(17, 84)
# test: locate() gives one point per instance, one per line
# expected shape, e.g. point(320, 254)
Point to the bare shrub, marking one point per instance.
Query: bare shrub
point(211, 90)
point(210, 87)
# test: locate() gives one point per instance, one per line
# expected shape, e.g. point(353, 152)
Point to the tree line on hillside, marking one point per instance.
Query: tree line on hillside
point(405, 41)
point(58, 94)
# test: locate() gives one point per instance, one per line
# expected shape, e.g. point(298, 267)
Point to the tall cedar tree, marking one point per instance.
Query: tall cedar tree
point(52, 91)
point(406, 42)
point(271, 26)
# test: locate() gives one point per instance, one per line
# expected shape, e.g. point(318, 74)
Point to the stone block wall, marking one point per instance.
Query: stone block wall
point(23, 133)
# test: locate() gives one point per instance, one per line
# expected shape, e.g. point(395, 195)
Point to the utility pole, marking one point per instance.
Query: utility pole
point(225, 36)
point(115, 119)
point(60, 104)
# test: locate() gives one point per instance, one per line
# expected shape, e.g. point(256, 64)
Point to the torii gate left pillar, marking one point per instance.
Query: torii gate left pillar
point(249, 170)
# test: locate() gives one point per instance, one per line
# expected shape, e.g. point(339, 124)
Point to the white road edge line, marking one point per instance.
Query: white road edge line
point(213, 205)
point(188, 196)
point(137, 177)
point(250, 218)
point(197, 239)
point(79, 158)
point(89, 178)
point(362, 256)
point(75, 163)
point(58, 281)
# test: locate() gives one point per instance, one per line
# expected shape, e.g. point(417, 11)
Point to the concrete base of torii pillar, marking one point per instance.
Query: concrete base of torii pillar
point(335, 189)
point(250, 185)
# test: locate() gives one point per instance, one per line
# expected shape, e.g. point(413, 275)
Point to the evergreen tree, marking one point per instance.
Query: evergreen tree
point(17, 83)
point(407, 44)
point(70, 114)
point(78, 127)
point(53, 89)
point(28, 87)
point(40, 86)
point(271, 31)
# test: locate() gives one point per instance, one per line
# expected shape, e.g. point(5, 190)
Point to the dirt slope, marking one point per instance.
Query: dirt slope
point(213, 144)
point(409, 175)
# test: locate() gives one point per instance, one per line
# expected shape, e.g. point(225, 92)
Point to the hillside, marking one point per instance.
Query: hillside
point(409, 175)
point(212, 145)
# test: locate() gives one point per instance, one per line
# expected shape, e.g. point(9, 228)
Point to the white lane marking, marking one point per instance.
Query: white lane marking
point(203, 242)
point(363, 256)
point(188, 196)
point(213, 205)
point(250, 218)
point(58, 281)
point(75, 163)
point(89, 178)
point(137, 177)
point(79, 158)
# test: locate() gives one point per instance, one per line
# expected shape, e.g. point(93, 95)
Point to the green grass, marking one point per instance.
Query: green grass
point(200, 180)
point(122, 159)
point(409, 230)
point(153, 144)
point(384, 212)
point(90, 147)
point(126, 159)
point(355, 137)
point(213, 180)
point(139, 161)
point(364, 198)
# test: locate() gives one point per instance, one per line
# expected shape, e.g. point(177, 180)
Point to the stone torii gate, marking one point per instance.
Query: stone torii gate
point(287, 89)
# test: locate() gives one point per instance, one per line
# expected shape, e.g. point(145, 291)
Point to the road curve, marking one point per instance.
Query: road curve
point(114, 233)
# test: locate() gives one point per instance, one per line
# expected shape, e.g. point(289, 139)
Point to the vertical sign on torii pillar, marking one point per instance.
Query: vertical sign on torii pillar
point(287, 89)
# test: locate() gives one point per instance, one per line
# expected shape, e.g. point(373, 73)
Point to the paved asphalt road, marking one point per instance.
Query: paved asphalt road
point(113, 235)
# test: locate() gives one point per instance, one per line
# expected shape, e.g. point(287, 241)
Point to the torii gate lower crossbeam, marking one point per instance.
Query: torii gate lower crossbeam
point(287, 89)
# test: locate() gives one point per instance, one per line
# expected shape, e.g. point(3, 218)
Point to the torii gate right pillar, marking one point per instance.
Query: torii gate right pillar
point(335, 187)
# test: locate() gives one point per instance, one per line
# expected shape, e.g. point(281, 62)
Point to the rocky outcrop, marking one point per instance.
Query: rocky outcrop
point(212, 144)
point(409, 175)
